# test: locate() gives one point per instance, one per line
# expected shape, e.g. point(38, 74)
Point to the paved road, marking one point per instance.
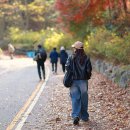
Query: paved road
point(18, 79)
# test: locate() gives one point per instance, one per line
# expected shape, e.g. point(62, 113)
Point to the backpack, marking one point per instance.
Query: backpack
point(42, 54)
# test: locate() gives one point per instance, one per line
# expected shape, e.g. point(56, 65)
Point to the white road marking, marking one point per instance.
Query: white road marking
point(26, 114)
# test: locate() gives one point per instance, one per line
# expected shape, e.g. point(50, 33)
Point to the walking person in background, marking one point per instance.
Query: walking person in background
point(54, 59)
point(40, 58)
point(63, 57)
point(11, 50)
point(79, 90)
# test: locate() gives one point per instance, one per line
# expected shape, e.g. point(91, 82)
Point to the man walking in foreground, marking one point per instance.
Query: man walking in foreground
point(40, 57)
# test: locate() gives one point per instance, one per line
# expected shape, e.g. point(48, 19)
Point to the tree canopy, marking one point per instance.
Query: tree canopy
point(96, 12)
point(25, 14)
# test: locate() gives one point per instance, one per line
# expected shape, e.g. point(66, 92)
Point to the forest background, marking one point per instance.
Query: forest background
point(103, 26)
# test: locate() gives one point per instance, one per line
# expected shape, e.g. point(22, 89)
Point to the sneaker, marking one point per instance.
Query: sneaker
point(76, 121)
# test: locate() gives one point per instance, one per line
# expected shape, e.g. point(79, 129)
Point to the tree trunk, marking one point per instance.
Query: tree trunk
point(2, 27)
point(110, 14)
point(124, 6)
point(27, 16)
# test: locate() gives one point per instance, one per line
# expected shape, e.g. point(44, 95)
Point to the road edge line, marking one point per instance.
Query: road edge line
point(24, 108)
point(28, 111)
point(19, 116)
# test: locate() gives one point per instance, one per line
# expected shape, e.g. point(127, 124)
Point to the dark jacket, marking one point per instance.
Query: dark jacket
point(80, 72)
point(54, 56)
point(41, 56)
point(63, 56)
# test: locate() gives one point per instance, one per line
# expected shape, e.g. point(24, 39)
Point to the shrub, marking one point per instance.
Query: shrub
point(25, 38)
point(48, 38)
point(96, 42)
point(105, 44)
point(57, 40)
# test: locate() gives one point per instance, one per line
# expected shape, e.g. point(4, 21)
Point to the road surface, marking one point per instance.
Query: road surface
point(18, 79)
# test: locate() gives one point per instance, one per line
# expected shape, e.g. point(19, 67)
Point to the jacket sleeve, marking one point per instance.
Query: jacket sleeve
point(68, 63)
point(89, 68)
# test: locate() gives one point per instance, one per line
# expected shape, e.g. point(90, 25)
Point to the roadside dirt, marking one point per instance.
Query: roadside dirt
point(109, 106)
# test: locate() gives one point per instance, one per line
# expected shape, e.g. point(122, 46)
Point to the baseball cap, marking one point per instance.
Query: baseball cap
point(78, 45)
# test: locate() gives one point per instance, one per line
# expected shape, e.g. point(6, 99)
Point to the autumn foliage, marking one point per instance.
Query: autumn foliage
point(3, 1)
point(80, 11)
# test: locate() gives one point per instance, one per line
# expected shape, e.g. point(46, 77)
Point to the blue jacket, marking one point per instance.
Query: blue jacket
point(54, 56)
point(63, 56)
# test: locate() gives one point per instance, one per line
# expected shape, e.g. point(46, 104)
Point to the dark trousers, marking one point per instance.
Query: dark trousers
point(39, 67)
point(54, 67)
point(63, 67)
